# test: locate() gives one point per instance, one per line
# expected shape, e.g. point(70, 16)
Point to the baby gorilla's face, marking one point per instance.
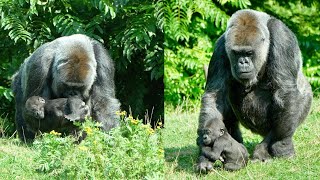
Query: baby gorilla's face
point(39, 108)
point(210, 135)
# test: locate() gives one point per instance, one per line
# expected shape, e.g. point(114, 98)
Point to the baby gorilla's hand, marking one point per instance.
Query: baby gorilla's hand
point(78, 114)
point(221, 159)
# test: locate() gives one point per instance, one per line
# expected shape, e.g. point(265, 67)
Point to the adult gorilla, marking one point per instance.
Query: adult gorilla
point(68, 66)
point(255, 78)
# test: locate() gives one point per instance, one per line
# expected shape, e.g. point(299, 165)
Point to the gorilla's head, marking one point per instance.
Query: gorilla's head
point(35, 107)
point(247, 46)
point(75, 66)
point(211, 132)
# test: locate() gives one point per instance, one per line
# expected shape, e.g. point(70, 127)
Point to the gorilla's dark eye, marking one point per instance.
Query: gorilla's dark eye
point(249, 53)
point(206, 131)
point(235, 52)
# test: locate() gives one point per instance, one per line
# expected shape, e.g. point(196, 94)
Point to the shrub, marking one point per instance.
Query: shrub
point(132, 150)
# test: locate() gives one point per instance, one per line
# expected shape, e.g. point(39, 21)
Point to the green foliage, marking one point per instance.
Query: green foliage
point(131, 151)
point(6, 126)
point(191, 30)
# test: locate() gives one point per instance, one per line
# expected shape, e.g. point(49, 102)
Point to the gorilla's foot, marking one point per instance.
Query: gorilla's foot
point(204, 165)
point(283, 148)
point(261, 153)
point(232, 166)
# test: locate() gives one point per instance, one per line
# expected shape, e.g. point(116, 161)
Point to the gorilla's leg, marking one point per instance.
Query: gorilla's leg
point(232, 125)
point(261, 151)
point(295, 108)
point(204, 165)
point(283, 148)
point(232, 166)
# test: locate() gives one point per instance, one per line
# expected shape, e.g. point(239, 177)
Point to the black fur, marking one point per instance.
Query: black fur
point(55, 114)
point(217, 144)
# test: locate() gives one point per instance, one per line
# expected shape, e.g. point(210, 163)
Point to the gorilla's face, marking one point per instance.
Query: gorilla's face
point(242, 67)
point(35, 107)
point(74, 71)
point(209, 135)
point(247, 51)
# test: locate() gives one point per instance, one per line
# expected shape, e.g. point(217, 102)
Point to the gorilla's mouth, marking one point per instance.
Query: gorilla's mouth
point(207, 141)
point(245, 74)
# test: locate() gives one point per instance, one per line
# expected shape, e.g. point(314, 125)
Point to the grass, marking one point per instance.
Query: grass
point(181, 151)
point(16, 161)
point(131, 151)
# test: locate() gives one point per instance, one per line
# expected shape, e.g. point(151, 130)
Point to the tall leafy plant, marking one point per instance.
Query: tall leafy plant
point(191, 29)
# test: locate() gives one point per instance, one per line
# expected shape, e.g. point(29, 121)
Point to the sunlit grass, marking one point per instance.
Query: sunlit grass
point(181, 151)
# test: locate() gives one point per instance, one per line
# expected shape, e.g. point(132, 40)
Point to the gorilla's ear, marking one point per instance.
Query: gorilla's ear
point(221, 132)
point(284, 54)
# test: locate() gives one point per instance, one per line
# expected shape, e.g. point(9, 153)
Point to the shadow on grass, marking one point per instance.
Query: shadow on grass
point(187, 157)
point(250, 146)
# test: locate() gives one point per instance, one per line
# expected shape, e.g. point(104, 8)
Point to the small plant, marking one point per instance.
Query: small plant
point(131, 151)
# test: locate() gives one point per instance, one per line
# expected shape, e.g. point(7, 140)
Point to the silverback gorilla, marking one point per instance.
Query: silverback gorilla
point(255, 78)
point(67, 66)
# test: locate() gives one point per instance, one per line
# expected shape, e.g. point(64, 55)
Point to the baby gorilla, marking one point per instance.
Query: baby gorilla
point(59, 113)
point(217, 144)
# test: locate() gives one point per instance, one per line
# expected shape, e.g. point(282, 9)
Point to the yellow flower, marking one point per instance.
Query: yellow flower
point(150, 131)
point(146, 126)
point(130, 117)
point(160, 152)
point(88, 130)
point(121, 113)
point(53, 132)
point(134, 121)
point(83, 148)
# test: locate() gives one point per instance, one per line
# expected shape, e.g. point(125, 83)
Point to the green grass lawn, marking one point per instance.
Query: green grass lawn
point(181, 151)
point(16, 161)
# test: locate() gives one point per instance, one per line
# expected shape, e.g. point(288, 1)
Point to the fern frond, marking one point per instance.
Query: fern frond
point(17, 29)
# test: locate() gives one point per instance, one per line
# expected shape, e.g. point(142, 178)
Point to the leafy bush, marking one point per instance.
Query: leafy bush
point(131, 151)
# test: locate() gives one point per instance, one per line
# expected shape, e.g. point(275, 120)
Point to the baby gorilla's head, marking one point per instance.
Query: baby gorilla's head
point(35, 107)
point(212, 131)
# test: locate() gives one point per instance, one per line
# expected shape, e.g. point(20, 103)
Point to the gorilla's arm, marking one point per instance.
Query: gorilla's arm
point(103, 101)
point(31, 80)
point(23, 132)
point(36, 72)
point(212, 153)
point(214, 104)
